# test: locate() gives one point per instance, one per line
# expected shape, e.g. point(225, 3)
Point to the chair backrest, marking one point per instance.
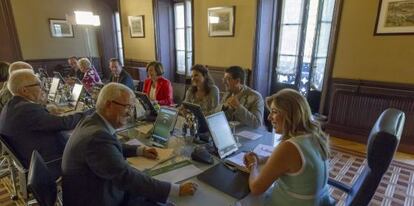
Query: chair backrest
point(12, 153)
point(179, 90)
point(40, 181)
point(381, 146)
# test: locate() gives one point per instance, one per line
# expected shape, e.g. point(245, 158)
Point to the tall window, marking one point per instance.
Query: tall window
point(303, 43)
point(119, 38)
point(183, 36)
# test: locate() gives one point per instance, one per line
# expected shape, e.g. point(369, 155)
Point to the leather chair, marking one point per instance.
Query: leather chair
point(179, 90)
point(382, 144)
point(41, 182)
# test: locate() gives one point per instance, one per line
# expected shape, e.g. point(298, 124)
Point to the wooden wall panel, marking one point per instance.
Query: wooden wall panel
point(356, 105)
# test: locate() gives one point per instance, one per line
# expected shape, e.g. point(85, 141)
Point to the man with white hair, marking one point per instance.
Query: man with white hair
point(26, 125)
point(94, 168)
point(5, 94)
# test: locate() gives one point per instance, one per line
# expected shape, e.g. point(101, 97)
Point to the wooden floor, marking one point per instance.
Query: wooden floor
point(354, 146)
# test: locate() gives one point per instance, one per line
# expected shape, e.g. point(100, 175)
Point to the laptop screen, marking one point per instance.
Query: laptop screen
point(164, 123)
point(221, 133)
point(76, 92)
point(198, 113)
point(146, 102)
point(53, 89)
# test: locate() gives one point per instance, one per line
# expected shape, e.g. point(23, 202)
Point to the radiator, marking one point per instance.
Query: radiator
point(356, 105)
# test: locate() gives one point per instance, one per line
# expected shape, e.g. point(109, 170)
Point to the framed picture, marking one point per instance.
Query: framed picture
point(221, 21)
point(136, 26)
point(60, 28)
point(395, 17)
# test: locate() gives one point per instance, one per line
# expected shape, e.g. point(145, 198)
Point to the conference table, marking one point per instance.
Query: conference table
point(206, 194)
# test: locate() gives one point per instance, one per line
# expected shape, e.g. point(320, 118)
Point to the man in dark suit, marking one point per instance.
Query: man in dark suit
point(95, 171)
point(119, 75)
point(26, 125)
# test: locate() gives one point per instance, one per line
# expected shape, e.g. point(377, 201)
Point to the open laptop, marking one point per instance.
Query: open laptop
point(164, 125)
point(198, 113)
point(74, 100)
point(53, 89)
point(221, 133)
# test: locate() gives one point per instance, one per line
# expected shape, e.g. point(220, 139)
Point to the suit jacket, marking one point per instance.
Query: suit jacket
point(163, 91)
point(124, 78)
point(251, 109)
point(28, 126)
point(95, 171)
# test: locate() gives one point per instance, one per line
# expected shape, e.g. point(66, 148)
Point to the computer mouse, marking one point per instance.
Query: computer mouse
point(200, 154)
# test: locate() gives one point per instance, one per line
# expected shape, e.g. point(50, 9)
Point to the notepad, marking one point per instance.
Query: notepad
point(176, 172)
point(237, 161)
point(142, 163)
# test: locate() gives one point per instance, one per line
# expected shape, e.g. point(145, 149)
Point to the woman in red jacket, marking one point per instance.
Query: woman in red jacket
point(157, 87)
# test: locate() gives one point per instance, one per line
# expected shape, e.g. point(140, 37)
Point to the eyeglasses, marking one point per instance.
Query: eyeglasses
point(129, 107)
point(33, 85)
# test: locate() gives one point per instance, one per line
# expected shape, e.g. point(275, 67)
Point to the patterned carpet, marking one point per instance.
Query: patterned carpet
point(396, 187)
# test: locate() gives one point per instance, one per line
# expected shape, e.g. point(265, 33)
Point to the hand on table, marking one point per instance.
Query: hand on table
point(188, 188)
point(150, 153)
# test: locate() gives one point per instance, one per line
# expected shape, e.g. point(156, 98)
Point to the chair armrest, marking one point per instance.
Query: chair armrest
point(339, 185)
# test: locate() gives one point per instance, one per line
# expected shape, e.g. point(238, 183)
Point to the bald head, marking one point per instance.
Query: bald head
point(19, 65)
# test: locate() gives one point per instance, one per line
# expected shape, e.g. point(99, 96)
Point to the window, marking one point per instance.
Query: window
point(183, 36)
point(302, 50)
point(119, 39)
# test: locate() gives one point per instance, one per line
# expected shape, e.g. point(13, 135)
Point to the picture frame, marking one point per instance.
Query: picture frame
point(60, 28)
point(395, 17)
point(136, 26)
point(221, 21)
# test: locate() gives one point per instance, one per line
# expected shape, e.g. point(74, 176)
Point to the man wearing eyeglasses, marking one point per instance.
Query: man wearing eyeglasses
point(26, 125)
point(241, 103)
point(95, 171)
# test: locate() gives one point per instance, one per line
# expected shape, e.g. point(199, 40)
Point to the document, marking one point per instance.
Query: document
point(176, 172)
point(145, 128)
point(142, 163)
point(248, 135)
point(263, 150)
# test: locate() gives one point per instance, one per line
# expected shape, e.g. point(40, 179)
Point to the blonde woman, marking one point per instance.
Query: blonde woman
point(91, 76)
point(299, 164)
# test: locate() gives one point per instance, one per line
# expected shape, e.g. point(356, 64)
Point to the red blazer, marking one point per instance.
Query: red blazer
point(163, 91)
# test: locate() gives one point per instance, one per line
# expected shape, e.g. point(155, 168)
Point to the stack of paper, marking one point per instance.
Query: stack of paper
point(142, 163)
point(176, 172)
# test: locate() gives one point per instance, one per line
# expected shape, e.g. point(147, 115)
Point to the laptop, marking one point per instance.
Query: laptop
point(198, 113)
point(164, 125)
point(74, 100)
point(53, 89)
point(222, 177)
point(221, 134)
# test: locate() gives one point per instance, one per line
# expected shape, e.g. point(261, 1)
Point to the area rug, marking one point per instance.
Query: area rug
point(396, 187)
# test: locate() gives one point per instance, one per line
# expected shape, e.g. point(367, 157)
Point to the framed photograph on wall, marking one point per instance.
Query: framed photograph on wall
point(221, 21)
point(395, 17)
point(60, 28)
point(136, 26)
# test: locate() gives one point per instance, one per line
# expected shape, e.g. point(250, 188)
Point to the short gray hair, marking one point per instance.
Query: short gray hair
point(111, 92)
point(84, 62)
point(19, 65)
point(19, 79)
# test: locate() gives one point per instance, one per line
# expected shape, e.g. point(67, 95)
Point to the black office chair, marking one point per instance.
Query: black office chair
point(41, 182)
point(382, 144)
point(14, 162)
point(179, 90)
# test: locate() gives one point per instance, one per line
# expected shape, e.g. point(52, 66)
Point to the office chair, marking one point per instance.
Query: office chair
point(41, 182)
point(179, 90)
point(382, 144)
point(14, 162)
